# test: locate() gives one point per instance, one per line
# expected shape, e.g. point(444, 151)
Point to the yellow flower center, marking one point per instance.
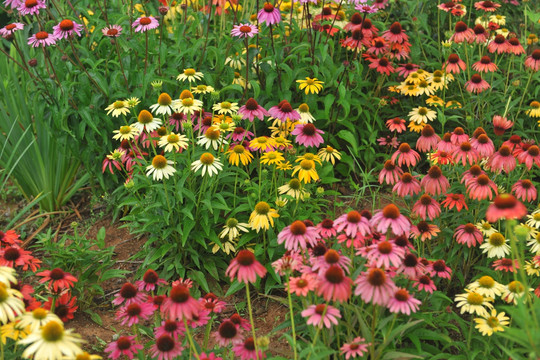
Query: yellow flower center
point(145, 117)
point(239, 149)
point(226, 105)
point(423, 84)
point(212, 134)
point(486, 282)
point(329, 149)
point(207, 159)
point(516, 287)
point(271, 156)
point(492, 322)
point(164, 99)
point(126, 129)
point(262, 208)
point(189, 72)
point(475, 299)
point(307, 165)
point(224, 126)
point(172, 138)
point(187, 102)
point(496, 239)
point(159, 162)
point(310, 81)
point(186, 94)
point(437, 73)
point(303, 108)
point(119, 104)
point(535, 105)
point(486, 226)
point(52, 331)
point(3, 293)
point(536, 217)
point(39, 313)
point(280, 140)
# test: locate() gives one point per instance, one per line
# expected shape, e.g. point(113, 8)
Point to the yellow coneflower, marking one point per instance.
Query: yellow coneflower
point(282, 129)
point(534, 110)
point(202, 89)
point(492, 323)
point(310, 157)
point(285, 165)
point(409, 89)
point(422, 114)
point(190, 75)
point(7, 275)
point(293, 188)
point(310, 85)
point(238, 154)
point(473, 303)
point(14, 331)
point(132, 102)
point(329, 154)
point(272, 158)
point(453, 104)
point(435, 100)
point(416, 127)
point(282, 143)
point(226, 107)
point(126, 132)
point(262, 216)
point(306, 171)
point(117, 108)
point(262, 143)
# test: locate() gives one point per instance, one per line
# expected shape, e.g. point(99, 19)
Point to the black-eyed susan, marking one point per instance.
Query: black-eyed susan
point(232, 229)
point(146, 121)
point(310, 85)
point(262, 216)
point(52, 341)
point(173, 142)
point(262, 143)
point(211, 138)
point(117, 108)
point(160, 168)
point(163, 105)
point(515, 290)
point(272, 158)
point(190, 75)
point(424, 88)
point(409, 89)
point(282, 143)
point(202, 89)
point(306, 171)
point(329, 154)
point(239, 154)
point(11, 304)
point(422, 114)
point(293, 188)
point(84, 356)
point(310, 157)
point(126, 132)
point(453, 104)
point(492, 323)
point(305, 115)
point(208, 163)
point(486, 286)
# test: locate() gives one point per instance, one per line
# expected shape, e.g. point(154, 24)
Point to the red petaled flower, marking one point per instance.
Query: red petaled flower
point(58, 279)
point(64, 306)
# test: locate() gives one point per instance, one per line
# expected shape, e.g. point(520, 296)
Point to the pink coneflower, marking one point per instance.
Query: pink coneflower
point(129, 294)
point(180, 305)
point(485, 65)
point(356, 41)
point(426, 207)
point(390, 218)
point(239, 134)
point(388, 141)
point(501, 124)
point(322, 314)
point(301, 286)
point(12, 3)
point(395, 34)
point(505, 206)
point(42, 38)
point(438, 268)
point(476, 84)
point(424, 283)
point(407, 185)
point(428, 140)
point(228, 333)
point(66, 29)
point(481, 188)
point(507, 265)
point(156, 301)
point(382, 65)
point(240, 322)
point(351, 223)
point(298, 236)
point(8, 30)
point(378, 46)
point(514, 142)
point(405, 155)
point(468, 234)
point(499, 44)
point(374, 286)
point(356, 348)
point(246, 350)
point(112, 31)
point(530, 157)
point(172, 328)
point(396, 124)
point(385, 253)
point(326, 229)
point(390, 173)
point(525, 190)
point(403, 302)
point(150, 281)
point(446, 144)
point(351, 241)
point(462, 33)
point(480, 34)
point(411, 266)
point(244, 30)
point(31, 7)
point(134, 312)
point(355, 23)
point(252, 110)
point(269, 14)
point(124, 345)
point(308, 135)
point(459, 136)
point(368, 29)
point(333, 285)
point(487, 5)
point(209, 356)
point(502, 160)
point(470, 175)
point(245, 268)
point(454, 64)
point(441, 157)
point(532, 61)
point(200, 319)
point(290, 261)
point(465, 153)
point(212, 303)
point(515, 47)
point(284, 111)
point(435, 182)
point(483, 145)
point(58, 279)
point(185, 282)
point(424, 231)
point(166, 348)
point(64, 306)
point(330, 257)
point(145, 23)
point(406, 69)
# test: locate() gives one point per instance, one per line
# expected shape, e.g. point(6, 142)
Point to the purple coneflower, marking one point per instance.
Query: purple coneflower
point(322, 314)
point(166, 348)
point(298, 236)
point(8, 30)
point(31, 7)
point(252, 110)
point(524, 190)
point(180, 304)
point(66, 28)
point(112, 30)
point(145, 23)
point(269, 14)
point(468, 234)
point(374, 286)
point(245, 268)
point(244, 30)
point(308, 135)
point(42, 38)
point(403, 302)
point(390, 218)
point(426, 207)
point(284, 111)
point(150, 281)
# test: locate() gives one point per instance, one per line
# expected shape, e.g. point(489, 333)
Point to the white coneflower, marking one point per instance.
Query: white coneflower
point(173, 142)
point(202, 89)
point(190, 75)
point(305, 116)
point(422, 115)
point(126, 132)
point(118, 108)
point(51, 342)
point(11, 304)
point(36, 318)
point(160, 168)
point(187, 105)
point(146, 121)
point(163, 106)
point(211, 138)
point(496, 246)
point(232, 229)
point(226, 107)
point(7, 275)
point(208, 163)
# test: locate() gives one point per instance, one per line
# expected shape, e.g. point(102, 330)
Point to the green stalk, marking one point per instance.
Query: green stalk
point(251, 321)
point(190, 339)
point(292, 318)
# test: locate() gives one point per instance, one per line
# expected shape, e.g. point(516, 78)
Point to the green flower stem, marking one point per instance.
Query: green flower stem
point(251, 321)
point(292, 318)
point(190, 339)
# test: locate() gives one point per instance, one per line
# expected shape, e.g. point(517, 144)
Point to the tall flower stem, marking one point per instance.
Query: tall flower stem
point(275, 55)
point(251, 321)
point(83, 68)
point(190, 339)
point(247, 68)
point(121, 63)
point(146, 52)
point(291, 314)
point(523, 96)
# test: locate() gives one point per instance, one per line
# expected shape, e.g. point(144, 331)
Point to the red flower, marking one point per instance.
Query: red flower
point(455, 200)
point(59, 280)
point(64, 306)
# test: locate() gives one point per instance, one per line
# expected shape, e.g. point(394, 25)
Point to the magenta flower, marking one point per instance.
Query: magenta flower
point(505, 206)
point(533, 61)
point(308, 135)
point(298, 236)
point(134, 312)
point(246, 350)
point(353, 222)
point(12, 3)
point(252, 110)
point(385, 253)
point(211, 303)
point(375, 286)
point(66, 28)
point(411, 267)
point(407, 185)
point(530, 156)
point(129, 294)
point(244, 30)
point(289, 262)
point(180, 304)
point(228, 333)
point(269, 14)
point(8, 30)
point(301, 286)
point(284, 111)
point(390, 173)
point(426, 207)
point(125, 345)
point(326, 229)
point(245, 268)
point(112, 31)
point(405, 155)
point(166, 348)
point(476, 84)
point(334, 285)
point(356, 348)
point(468, 234)
point(172, 328)
point(424, 283)
point(322, 314)
point(390, 218)
point(439, 268)
point(145, 23)
point(525, 190)
point(31, 7)
point(435, 182)
point(403, 302)
point(42, 38)
point(483, 145)
point(150, 281)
